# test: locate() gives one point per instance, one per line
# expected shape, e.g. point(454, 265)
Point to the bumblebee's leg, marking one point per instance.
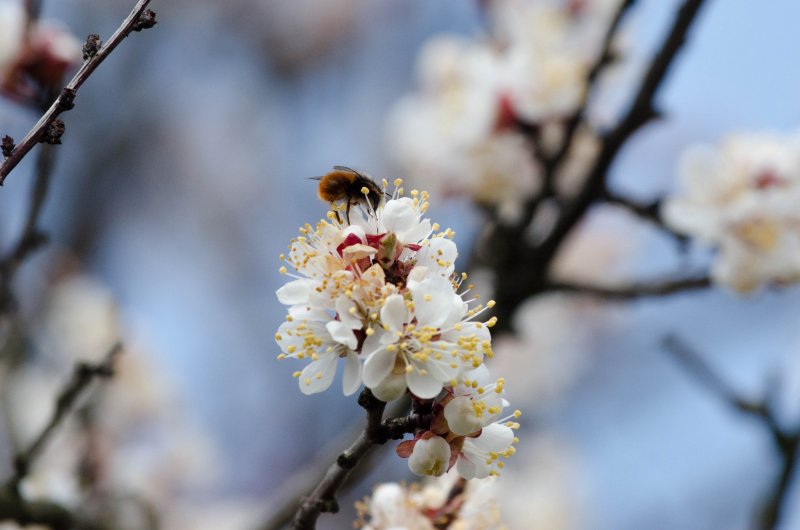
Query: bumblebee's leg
point(347, 211)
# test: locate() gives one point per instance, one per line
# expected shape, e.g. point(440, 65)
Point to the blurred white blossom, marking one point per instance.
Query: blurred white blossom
point(462, 128)
point(34, 56)
point(741, 198)
point(447, 500)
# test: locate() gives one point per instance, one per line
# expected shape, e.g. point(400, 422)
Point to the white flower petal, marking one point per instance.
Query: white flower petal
point(393, 387)
point(399, 215)
point(433, 299)
point(394, 313)
point(344, 306)
point(469, 469)
point(461, 417)
point(438, 254)
point(494, 437)
point(430, 457)
point(378, 366)
point(318, 375)
point(351, 379)
point(423, 386)
point(296, 291)
point(342, 333)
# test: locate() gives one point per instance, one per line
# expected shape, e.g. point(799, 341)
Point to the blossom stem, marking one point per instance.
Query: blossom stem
point(377, 431)
point(64, 102)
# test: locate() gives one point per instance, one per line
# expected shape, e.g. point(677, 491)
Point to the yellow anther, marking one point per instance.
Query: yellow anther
point(409, 369)
point(427, 297)
point(364, 190)
point(398, 182)
point(296, 374)
point(517, 413)
point(490, 304)
point(282, 270)
point(491, 322)
point(370, 332)
point(281, 356)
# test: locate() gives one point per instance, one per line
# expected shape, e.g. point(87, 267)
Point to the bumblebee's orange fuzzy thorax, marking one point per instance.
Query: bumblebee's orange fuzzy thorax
point(334, 185)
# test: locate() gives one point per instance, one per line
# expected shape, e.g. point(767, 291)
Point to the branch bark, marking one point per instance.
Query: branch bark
point(82, 377)
point(376, 432)
point(139, 18)
point(633, 291)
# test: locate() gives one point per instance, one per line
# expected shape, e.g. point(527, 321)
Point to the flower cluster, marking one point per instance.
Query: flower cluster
point(464, 125)
point(377, 289)
point(741, 197)
point(447, 502)
point(32, 55)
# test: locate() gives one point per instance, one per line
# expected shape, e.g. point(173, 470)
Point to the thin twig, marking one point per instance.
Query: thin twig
point(650, 212)
point(786, 439)
point(377, 431)
point(140, 18)
point(83, 375)
point(633, 291)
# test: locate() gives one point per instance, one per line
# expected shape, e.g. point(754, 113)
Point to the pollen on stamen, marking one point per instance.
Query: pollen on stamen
point(282, 270)
point(281, 356)
point(296, 374)
point(364, 190)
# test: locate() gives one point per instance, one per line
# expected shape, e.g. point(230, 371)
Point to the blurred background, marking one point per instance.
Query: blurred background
point(183, 175)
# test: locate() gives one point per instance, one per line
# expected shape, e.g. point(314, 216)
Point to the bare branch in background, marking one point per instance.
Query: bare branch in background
point(650, 212)
point(786, 439)
point(524, 265)
point(49, 128)
point(635, 290)
point(82, 377)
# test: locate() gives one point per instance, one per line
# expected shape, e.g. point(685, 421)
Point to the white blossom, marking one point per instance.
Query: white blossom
point(430, 457)
point(380, 290)
point(741, 198)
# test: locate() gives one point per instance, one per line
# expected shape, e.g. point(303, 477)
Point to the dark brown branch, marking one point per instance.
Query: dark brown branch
point(82, 377)
point(786, 439)
point(377, 431)
point(640, 112)
point(295, 488)
point(650, 212)
point(605, 58)
point(523, 267)
point(140, 18)
point(633, 291)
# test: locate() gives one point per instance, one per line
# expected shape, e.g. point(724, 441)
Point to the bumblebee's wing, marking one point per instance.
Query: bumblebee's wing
point(314, 178)
point(349, 169)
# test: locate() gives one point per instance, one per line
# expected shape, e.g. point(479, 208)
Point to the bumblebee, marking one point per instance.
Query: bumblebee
point(346, 184)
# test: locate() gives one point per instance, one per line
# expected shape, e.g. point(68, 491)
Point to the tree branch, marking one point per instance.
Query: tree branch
point(377, 431)
point(140, 18)
point(786, 439)
point(640, 112)
point(633, 291)
point(83, 375)
point(605, 58)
